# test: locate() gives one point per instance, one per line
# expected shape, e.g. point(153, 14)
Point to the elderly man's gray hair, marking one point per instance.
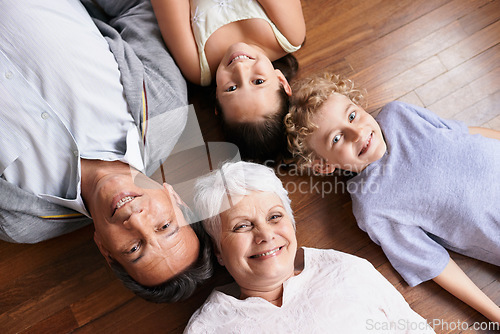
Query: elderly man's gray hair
point(217, 192)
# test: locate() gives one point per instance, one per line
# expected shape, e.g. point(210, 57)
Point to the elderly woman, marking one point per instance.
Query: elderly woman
point(247, 213)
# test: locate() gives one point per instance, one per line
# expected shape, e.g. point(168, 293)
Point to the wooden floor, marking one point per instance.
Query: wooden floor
point(441, 54)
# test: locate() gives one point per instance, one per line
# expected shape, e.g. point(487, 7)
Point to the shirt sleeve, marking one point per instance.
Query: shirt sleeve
point(26, 218)
point(411, 251)
point(400, 111)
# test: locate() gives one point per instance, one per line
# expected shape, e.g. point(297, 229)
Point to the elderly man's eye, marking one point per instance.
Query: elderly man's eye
point(134, 248)
point(231, 88)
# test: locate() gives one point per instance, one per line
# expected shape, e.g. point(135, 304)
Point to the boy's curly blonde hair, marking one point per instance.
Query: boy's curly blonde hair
point(309, 94)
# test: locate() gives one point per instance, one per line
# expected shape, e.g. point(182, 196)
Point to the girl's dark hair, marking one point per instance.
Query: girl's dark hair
point(181, 286)
point(264, 141)
point(288, 65)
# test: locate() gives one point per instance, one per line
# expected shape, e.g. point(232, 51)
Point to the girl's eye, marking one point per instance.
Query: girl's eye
point(231, 88)
point(352, 116)
point(258, 81)
point(336, 139)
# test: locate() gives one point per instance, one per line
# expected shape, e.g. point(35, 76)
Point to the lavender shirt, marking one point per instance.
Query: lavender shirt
point(436, 187)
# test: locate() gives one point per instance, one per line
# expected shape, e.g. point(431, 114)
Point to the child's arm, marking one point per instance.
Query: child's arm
point(174, 19)
point(287, 16)
point(455, 281)
point(490, 133)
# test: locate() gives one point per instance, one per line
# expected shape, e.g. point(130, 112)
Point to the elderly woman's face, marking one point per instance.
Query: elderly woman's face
point(258, 242)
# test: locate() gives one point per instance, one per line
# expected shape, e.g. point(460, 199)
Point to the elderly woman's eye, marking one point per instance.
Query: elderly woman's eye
point(258, 81)
point(242, 227)
point(231, 88)
point(164, 226)
point(275, 217)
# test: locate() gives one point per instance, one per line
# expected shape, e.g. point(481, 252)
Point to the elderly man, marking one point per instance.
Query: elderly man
point(78, 99)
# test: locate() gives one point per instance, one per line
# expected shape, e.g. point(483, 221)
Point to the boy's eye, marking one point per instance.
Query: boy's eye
point(352, 116)
point(231, 88)
point(258, 81)
point(336, 139)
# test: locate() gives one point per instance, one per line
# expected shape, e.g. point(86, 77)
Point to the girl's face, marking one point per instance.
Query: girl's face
point(258, 243)
point(248, 84)
point(347, 136)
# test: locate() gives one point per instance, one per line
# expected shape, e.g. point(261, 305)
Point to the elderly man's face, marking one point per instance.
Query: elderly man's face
point(258, 242)
point(139, 224)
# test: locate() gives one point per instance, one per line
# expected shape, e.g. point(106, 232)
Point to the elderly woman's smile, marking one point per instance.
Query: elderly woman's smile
point(265, 255)
point(258, 243)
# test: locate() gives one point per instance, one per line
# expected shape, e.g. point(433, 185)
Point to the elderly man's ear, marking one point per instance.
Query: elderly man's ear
point(104, 251)
point(321, 167)
point(173, 195)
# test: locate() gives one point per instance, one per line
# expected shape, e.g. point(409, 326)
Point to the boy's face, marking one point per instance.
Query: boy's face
point(347, 136)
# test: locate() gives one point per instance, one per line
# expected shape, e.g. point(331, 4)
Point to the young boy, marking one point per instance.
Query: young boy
point(423, 184)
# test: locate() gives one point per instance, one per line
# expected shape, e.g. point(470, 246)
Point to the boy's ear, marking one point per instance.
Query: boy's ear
point(284, 82)
point(321, 167)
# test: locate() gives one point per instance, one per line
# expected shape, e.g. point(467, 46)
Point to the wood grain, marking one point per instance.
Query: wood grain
point(440, 54)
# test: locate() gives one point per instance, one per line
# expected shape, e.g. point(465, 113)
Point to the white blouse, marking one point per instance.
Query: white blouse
point(335, 293)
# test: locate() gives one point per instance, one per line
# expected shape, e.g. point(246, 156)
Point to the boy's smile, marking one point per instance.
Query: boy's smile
point(347, 136)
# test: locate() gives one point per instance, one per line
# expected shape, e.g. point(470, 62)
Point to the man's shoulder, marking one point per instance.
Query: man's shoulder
point(26, 218)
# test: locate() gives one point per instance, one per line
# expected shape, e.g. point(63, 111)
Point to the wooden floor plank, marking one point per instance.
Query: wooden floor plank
point(415, 53)
point(471, 46)
point(493, 124)
point(480, 18)
point(402, 12)
point(468, 95)
point(412, 98)
point(407, 81)
point(100, 302)
point(52, 300)
point(59, 322)
point(442, 54)
point(410, 33)
point(480, 112)
point(24, 259)
point(459, 76)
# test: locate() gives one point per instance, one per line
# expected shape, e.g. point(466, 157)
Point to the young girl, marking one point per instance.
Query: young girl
point(234, 42)
point(424, 184)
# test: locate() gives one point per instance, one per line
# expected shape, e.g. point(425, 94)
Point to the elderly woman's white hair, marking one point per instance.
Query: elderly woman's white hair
point(217, 191)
